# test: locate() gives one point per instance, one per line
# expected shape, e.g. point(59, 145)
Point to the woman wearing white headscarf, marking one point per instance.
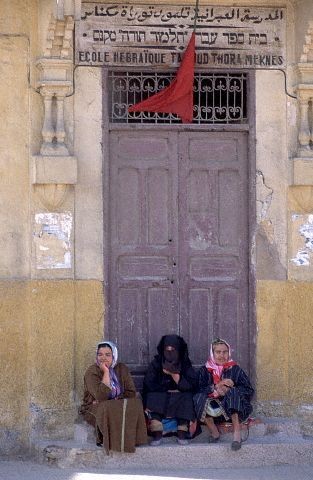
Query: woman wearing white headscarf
point(225, 392)
point(110, 400)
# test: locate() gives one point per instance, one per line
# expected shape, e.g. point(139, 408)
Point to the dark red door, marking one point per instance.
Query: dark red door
point(178, 241)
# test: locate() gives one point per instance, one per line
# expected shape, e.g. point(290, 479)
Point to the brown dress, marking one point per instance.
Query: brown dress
point(119, 423)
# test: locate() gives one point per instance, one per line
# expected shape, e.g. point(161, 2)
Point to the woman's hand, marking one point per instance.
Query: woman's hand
point(106, 374)
point(222, 387)
point(228, 382)
point(175, 376)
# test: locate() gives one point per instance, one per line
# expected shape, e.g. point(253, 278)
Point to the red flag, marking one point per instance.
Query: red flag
point(178, 96)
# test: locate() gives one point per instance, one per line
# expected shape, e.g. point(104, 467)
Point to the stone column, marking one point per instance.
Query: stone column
point(55, 83)
point(304, 129)
point(47, 129)
point(303, 162)
point(59, 128)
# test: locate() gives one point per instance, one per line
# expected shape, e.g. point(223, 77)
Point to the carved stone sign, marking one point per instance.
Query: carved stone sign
point(156, 35)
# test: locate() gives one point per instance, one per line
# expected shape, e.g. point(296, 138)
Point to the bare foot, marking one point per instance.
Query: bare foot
point(237, 436)
point(236, 427)
point(212, 427)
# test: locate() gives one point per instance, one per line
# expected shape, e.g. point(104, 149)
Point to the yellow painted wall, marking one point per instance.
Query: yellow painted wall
point(284, 345)
point(48, 334)
point(15, 364)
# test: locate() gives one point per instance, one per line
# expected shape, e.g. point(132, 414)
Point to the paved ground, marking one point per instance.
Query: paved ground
point(27, 470)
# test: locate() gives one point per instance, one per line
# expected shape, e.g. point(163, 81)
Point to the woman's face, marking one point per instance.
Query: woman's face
point(105, 356)
point(221, 353)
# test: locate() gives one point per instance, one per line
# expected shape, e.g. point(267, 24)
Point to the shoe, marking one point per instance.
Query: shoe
point(213, 439)
point(99, 444)
point(157, 439)
point(235, 445)
point(181, 438)
point(182, 441)
point(155, 443)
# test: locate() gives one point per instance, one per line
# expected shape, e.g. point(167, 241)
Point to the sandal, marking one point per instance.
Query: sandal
point(235, 445)
point(157, 439)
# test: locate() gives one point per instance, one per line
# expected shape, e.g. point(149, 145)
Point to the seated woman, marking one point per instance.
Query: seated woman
point(110, 403)
point(168, 388)
point(225, 392)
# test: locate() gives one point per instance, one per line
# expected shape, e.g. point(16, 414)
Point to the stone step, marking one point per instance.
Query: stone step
point(263, 451)
point(255, 427)
point(272, 441)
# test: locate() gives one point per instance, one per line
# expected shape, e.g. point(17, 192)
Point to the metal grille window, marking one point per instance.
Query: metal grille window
point(218, 98)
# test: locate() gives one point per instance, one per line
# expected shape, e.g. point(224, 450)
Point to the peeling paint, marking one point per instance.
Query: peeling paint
point(269, 265)
point(264, 196)
point(303, 256)
point(52, 237)
point(292, 114)
point(301, 259)
point(307, 232)
point(200, 242)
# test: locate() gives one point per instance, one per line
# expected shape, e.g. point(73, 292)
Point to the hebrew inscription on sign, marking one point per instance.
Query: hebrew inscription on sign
point(157, 35)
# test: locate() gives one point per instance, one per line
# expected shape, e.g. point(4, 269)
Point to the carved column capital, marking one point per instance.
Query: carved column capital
point(54, 69)
point(305, 92)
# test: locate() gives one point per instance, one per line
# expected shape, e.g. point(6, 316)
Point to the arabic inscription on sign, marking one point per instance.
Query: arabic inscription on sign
point(157, 35)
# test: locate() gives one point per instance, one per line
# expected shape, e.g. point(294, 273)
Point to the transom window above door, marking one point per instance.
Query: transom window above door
point(219, 98)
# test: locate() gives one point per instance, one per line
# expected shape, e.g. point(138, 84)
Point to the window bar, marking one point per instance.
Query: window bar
point(218, 98)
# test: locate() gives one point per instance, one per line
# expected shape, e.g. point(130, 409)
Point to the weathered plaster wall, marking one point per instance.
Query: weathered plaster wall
point(272, 175)
point(88, 192)
point(304, 15)
point(285, 344)
point(65, 317)
point(284, 286)
point(14, 128)
point(15, 362)
point(88, 328)
point(48, 331)
point(48, 325)
point(15, 51)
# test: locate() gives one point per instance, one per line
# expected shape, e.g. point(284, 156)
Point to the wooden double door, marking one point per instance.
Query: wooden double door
point(178, 248)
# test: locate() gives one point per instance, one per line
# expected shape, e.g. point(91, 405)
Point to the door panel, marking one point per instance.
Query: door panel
point(143, 281)
point(178, 233)
point(128, 206)
point(158, 200)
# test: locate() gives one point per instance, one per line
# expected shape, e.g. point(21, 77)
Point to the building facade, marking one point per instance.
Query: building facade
point(135, 225)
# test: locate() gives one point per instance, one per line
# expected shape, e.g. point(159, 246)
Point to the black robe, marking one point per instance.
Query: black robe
point(157, 387)
point(237, 399)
